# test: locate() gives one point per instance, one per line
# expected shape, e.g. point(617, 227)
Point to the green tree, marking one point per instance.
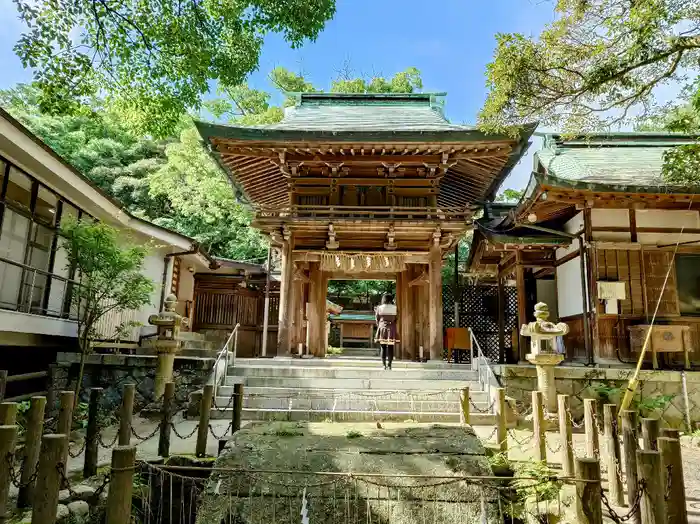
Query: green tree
point(109, 278)
point(203, 202)
point(597, 66)
point(154, 59)
point(510, 195)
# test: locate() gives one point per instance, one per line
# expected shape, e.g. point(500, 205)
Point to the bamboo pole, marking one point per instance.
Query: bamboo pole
point(48, 481)
point(32, 447)
point(121, 485)
point(126, 414)
point(566, 436)
point(204, 411)
point(672, 465)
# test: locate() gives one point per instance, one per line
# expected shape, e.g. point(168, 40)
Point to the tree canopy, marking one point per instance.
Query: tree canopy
point(153, 58)
point(172, 182)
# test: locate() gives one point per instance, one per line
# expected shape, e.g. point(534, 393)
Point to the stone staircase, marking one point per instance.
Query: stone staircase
point(351, 389)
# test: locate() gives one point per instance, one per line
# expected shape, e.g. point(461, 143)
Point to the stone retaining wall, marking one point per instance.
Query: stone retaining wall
point(607, 385)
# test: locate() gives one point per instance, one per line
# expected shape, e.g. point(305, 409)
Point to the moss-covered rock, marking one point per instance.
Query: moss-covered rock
point(378, 475)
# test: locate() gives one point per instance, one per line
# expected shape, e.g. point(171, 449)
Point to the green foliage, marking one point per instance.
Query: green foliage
point(448, 267)
point(332, 350)
point(536, 481)
point(153, 59)
point(363, 293)
point(406, 81)
point(597, 66)
point(109, 276)
point(510, 195)
point(682, 165)
point(352, 434)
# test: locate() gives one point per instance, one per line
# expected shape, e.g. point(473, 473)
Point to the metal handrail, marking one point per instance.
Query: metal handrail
point(489, 370)
point(225, 351)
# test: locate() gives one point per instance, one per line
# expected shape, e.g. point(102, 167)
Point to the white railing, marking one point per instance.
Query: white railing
point(480, 364)
point(224, 358)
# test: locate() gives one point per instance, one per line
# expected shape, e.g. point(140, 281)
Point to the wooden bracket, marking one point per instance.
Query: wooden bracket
point(420, 280)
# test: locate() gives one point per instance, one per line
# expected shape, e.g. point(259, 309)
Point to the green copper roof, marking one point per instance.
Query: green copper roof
point(323, 112)
point(410, 117)
point(618, 159)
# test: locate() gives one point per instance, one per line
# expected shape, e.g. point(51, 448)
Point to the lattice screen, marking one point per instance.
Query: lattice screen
point(479, 311)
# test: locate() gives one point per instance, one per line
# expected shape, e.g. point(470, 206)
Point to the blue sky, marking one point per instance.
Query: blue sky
point(450, 42)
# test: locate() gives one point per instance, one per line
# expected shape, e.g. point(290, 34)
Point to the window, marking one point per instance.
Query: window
point(688, 278)
point(29, 214)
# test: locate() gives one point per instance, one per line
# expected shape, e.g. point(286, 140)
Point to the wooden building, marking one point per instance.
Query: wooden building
point(601, 238)
point(363, 186)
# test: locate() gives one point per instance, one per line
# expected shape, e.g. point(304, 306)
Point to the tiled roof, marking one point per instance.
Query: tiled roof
point(623, 159)
point(366, 112)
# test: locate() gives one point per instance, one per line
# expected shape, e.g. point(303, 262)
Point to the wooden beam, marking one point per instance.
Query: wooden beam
point(364, 181)
point(320, 158)
point(566, 258)
point(633, 224)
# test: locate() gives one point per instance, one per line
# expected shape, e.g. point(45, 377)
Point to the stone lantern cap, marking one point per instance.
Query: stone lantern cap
point(168, 323)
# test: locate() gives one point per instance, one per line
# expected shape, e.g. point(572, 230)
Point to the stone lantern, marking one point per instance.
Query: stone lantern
point(543, 354)
point(167, 344)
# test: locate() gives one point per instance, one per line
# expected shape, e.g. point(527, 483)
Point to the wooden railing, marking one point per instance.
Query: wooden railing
point(392, 212)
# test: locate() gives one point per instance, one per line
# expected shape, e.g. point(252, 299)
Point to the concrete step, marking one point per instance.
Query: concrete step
point(395, 382)
point(358, 352)
point(476, 419)
point(346, 372)
point(345, 361)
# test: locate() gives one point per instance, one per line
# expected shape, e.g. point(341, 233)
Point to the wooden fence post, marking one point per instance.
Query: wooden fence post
point(501, 428)
point(566, 436)
point(8, 413)
point(630, 445)
point(126, 414)
point(3, 383)
point(166, 419)
point(204, 410)
point(8, 438)
point(237, 415)
point(48, 480)
point(670, 433)
point(538, 426)
point(589, 415)
point(650, 434)
point(92, 434)
point(589, 505)
point(612, 447)
point(464, 403)
point(653, 505)
point(50, 392)
point(121, 484)
point(32, 446)
point(672, 465)
point(64, 425)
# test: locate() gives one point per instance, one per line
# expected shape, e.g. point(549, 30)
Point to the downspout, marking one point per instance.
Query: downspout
point(213, 264)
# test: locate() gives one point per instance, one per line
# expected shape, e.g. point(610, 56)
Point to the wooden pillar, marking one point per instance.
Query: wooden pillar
point(651, 475)
point(322, 316)
point(48, 480)
point(284, 321)
point(400, 300)
point(422, 321)
point(435, 303)
point(409, 342)
point(297, 310)
point(630, 444)
point(119, 499)
point(314, 327)
point(522, 304)
point(672, 466)
point(589, 505)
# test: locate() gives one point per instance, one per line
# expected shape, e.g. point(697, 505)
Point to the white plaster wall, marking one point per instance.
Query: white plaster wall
point(610, 218)
point(547, 293)
point(186, 289)
point(16, 322)
point(575, 224)
point(670, 219)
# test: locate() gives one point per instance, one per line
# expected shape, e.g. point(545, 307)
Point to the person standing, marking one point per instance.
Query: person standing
point(385, 315)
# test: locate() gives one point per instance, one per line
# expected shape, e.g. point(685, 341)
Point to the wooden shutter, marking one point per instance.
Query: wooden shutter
point(656, 266)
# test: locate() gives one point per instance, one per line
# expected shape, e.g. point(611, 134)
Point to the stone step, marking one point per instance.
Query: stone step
point(396, 382)
point(346, 372)
point(476, 419)
point(191, 335)
point(311, 403)
point(358, 352)
point(345, 361)
point(478, 396)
